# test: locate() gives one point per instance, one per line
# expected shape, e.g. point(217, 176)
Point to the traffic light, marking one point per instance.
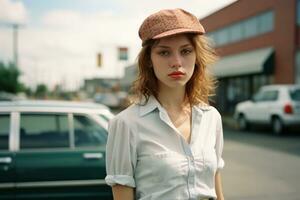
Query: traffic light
point(99, 60)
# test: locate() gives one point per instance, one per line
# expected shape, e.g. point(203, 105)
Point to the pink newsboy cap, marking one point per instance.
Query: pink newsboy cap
point(169, 22)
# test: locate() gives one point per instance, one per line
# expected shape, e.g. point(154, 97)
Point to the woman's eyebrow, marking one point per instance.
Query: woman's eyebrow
point(162, 46)
point(167, 47)
point(186, 45)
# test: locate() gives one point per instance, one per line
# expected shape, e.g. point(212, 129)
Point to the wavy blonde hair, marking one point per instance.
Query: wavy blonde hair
point(198, 89)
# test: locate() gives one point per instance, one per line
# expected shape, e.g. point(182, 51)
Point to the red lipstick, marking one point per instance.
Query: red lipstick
point(176, 74)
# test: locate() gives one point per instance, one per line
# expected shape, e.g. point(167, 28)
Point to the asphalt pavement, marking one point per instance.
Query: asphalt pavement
point(261, 166)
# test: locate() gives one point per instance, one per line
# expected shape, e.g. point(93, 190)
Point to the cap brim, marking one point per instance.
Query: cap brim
point(177, 31)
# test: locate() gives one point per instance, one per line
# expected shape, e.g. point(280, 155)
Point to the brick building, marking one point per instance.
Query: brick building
point(258, 42)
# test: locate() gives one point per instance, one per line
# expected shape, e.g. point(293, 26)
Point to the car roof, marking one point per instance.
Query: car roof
point(52, 106)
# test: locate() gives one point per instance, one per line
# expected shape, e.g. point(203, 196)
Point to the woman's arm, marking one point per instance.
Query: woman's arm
point(219, 189)
point(122, 192)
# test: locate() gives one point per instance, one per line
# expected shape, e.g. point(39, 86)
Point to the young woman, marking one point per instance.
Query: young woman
point(168, 144)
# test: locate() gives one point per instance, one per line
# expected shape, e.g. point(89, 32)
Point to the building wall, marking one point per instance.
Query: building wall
point(298, 37)
point(282, 38)
point(285, 41)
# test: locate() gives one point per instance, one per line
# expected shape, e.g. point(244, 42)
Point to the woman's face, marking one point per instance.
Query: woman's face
point(173, 60)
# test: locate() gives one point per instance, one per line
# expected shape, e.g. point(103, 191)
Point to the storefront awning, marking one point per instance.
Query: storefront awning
point(251, 62)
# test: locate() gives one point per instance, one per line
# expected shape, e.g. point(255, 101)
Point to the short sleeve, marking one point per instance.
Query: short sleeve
point(120, 154)
point(219, 144)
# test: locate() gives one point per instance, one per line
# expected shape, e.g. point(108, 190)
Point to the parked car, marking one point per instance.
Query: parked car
point(53, 150)
point(275, 105)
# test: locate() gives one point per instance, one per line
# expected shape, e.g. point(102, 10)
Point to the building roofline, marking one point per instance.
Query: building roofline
point(218, 10)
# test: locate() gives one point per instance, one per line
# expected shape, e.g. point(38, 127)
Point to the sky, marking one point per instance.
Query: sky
point(58, 40)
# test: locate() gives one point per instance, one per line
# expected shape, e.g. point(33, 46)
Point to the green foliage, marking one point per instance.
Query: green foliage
point(9, 78)
point(41, 91)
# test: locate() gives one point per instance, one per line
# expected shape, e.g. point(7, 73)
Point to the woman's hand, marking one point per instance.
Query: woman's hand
point(219, 189)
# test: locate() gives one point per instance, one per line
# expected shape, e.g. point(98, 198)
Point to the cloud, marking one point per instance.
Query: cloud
point(105, 26)
point(200, 8)
point(67, 43)
point(13, 12)
point(62, 18)
point(62, 49)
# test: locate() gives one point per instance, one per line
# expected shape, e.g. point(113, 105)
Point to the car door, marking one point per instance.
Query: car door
point(48, 165)
point(270, 105)
point(89, 149)
point(44, 159)
point(259, 111)
point(7, 160)
point(256, 104)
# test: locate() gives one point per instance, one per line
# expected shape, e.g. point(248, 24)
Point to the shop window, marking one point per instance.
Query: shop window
point(266, 22)
point(251, 27)
point(222, 36)
point(236, 32)
point(260, 80)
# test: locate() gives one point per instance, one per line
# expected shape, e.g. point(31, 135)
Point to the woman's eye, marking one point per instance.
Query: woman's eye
point(186, 51)
point(163, 53)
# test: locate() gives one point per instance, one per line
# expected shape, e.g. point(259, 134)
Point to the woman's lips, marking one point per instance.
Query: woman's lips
point(176, 74)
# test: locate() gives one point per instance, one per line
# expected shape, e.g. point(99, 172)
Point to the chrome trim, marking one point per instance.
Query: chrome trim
point(60, 183)
point(14, 139)
point(92, 156)
point(59, 150)
point(6, 185)
point(5, 160)
point(71, 130)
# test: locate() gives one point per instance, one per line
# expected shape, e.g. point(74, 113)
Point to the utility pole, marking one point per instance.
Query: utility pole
point(15, 43)
point(15, 32)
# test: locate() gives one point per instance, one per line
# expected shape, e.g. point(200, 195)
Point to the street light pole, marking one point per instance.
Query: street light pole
point(15, 43)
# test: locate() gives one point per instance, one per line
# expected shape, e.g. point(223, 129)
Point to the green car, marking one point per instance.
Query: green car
point(53, 150)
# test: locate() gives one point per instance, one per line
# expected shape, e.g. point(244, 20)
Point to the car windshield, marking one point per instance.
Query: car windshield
point(295, 94)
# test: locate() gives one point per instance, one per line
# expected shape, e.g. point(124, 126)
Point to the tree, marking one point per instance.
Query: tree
point(41, 91)
point(9, 75)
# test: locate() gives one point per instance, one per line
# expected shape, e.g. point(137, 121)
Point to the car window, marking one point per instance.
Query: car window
point(4, 131)
point(295, 94)
point(258, 96)
point(271, 95)
point(44, 131)
point(88, 132)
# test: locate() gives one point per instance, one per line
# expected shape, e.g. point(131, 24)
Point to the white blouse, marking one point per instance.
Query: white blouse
point(146, 151)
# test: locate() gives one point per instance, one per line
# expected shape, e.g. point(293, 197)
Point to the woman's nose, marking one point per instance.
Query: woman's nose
point(176, 61)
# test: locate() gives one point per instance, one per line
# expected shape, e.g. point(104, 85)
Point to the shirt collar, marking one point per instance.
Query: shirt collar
point(202, 108)
point(152, 104)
